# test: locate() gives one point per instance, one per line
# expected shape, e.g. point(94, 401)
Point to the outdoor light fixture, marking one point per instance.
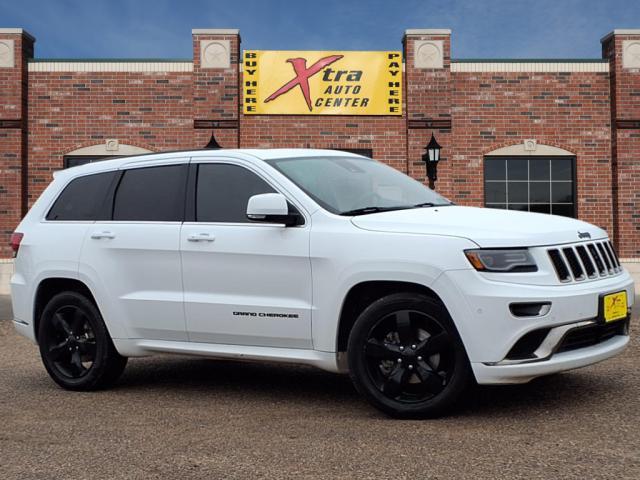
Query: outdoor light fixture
point(431, 157)
point(213, 143)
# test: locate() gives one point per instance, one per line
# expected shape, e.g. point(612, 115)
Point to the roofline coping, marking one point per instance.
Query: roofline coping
point(110, 60)
point(215, 31)
point(17, 31)
point(427, 31)
point(620, 31)
point(529, 60)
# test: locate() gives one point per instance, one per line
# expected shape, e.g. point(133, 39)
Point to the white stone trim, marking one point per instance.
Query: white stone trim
point(533, 67)
point(215, 54)
point(107, 149)
point(620, 31)
point(17, 31)
point(520, 149)
point(6, 270)
point(427, 31)
point(428, 54)
point(111, 66)
point(215, 31)
point(7, 55)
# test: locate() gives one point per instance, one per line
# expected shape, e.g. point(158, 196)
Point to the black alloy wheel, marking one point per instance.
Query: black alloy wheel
point(70, 342)
point(75, 346)
point(406, 357)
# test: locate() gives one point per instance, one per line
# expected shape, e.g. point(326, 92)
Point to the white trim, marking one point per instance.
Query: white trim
point(215, 31)
point(111, 66)
point(101, 149)
point(540, 151)
point(17, 31)
point(620, 31)
point(427, 31)
point(524, 66)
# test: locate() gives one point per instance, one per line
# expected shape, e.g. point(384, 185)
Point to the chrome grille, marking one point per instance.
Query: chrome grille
point(588, 260)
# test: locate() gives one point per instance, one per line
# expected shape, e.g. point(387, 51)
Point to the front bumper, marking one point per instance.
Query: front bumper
point(480, 310)
point(560, 362)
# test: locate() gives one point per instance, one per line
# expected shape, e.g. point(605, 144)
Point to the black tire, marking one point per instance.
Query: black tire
point(406, 357)
point(75, 347)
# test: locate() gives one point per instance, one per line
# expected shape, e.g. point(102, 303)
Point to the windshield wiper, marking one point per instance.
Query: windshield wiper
point(366, 210)
point(431, 204)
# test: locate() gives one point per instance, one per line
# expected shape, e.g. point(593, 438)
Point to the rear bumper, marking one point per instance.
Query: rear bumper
point(522, 373)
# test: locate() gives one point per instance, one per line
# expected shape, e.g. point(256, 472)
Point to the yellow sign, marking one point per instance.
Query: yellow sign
point(322, 83)
point(615, 306)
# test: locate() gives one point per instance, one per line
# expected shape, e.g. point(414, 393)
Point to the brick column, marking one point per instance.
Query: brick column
point(216, 88)
point(427, 54)
point(16, 47)
point(622, 48)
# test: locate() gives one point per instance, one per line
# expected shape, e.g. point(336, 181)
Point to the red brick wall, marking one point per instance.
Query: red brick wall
point(428, 98)
point(470, 113)
point(70, 110)
point(216, 92)
point(625, 92)
point(13, 154)
point(566, 110)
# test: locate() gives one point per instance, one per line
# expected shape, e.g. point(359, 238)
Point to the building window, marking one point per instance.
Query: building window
point(75, 160)
point(531, 184)
point(365, 152)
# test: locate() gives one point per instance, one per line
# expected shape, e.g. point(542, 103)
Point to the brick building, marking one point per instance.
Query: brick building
point(554, 136)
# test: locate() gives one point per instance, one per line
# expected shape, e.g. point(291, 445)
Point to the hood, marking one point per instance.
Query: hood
point(487, 227)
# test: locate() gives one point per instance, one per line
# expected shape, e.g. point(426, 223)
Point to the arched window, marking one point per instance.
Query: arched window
point(95, 153)
point(542, 181)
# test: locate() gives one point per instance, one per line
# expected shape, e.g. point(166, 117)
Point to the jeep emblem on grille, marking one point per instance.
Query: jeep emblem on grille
point(584, 234)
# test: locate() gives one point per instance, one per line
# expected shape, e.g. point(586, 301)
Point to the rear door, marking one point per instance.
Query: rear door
point(133, 258)
point(245, 283)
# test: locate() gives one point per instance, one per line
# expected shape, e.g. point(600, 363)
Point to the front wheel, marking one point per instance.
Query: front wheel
point(406, 357)
point(75, 346)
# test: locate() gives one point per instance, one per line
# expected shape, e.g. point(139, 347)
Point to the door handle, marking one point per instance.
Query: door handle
point(105, 234)
point(201, 237)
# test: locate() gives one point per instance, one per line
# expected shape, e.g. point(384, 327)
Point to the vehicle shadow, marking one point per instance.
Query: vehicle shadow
point(309, 387)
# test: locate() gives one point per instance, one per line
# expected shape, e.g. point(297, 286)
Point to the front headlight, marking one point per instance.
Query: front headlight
point(501, 260)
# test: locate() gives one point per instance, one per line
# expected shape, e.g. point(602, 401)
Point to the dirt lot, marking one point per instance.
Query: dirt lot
point(180, 417)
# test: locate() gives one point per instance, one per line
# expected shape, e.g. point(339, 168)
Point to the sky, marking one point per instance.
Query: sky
point(162, 28)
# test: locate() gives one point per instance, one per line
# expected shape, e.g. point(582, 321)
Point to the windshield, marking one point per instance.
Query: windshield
point(356, 185)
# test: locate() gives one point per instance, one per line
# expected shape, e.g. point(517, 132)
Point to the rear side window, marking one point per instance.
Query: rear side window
point(152, 194)
point(83, 199)
point(223, 192)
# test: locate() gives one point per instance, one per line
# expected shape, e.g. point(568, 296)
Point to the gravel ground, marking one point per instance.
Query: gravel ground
point(183, 417)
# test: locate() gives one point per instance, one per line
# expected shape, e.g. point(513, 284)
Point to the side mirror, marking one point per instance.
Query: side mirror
point(271, 208)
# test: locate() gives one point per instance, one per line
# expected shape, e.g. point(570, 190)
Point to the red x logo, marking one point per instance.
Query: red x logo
point(302, 76)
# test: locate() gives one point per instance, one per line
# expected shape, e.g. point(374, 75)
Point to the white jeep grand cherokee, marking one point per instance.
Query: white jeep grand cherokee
point(315, 257)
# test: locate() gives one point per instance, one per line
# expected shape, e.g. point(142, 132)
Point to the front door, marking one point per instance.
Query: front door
point(244, 283)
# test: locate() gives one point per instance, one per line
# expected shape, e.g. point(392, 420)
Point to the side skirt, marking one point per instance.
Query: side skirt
point(139, 348)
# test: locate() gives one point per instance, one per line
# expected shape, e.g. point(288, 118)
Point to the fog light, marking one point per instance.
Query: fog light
point(530, 309)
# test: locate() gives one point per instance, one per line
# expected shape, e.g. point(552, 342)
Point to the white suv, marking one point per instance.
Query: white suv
point(312, 257)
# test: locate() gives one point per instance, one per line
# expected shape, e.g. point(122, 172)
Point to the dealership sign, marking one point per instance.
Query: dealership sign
point(322, 83)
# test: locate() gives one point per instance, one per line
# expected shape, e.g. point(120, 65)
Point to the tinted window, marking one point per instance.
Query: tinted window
point(534, 184)
point(223, 192)
point(83, 199)
point(152, 194)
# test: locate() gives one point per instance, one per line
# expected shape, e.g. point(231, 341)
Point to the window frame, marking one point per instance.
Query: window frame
point(191, 193)
point(111, 196)
point(574, 178)
point(104, 208)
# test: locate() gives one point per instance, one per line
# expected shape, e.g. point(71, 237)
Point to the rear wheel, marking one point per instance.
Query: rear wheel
point(406, 357)
point(75, 346)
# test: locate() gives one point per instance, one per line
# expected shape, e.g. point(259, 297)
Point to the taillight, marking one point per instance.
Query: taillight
point(16, 238)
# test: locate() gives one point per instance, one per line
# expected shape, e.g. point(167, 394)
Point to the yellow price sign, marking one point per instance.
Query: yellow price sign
point(615, 306)
point(322, 83)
